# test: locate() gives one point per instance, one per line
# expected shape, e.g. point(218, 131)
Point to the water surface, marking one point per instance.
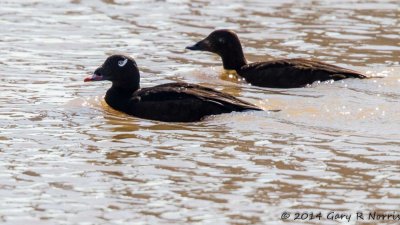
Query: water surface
point(67, 158)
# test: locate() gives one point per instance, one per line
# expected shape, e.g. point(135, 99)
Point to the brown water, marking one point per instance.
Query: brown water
point(67, 158)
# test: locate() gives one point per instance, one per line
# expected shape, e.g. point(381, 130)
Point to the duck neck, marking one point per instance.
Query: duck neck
point(126, 87)
point(118, 96)
point(233, 59)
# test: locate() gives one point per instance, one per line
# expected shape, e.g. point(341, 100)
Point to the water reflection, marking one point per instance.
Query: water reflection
point(67, 156)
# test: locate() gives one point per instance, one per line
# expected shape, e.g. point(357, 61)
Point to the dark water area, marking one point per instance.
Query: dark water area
point(68, 158)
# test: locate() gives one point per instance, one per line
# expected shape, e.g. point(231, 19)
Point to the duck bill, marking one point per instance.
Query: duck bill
point(94, 77)
point(202, 45)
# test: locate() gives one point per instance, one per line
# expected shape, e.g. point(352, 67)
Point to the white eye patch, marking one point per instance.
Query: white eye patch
point(122, 63)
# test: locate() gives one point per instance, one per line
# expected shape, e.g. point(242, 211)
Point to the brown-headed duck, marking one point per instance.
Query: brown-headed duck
point(282, 73)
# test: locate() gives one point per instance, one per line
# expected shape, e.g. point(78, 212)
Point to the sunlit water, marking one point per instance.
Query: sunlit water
point(67, 158)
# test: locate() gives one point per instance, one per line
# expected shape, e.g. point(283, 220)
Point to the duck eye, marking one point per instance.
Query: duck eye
point(122, 62)
point(221, 40)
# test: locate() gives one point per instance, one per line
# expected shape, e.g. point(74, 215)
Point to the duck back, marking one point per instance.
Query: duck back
point(182, 102)
point(293, 73)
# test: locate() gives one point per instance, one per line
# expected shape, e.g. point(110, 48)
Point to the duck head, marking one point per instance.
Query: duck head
point(226, 44)
point(121, 70)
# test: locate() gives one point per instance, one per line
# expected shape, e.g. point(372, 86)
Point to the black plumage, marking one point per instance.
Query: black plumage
point(171, 102)
point(283, 73)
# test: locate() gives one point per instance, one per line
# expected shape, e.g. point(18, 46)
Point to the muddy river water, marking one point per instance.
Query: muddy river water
point(67, 158)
